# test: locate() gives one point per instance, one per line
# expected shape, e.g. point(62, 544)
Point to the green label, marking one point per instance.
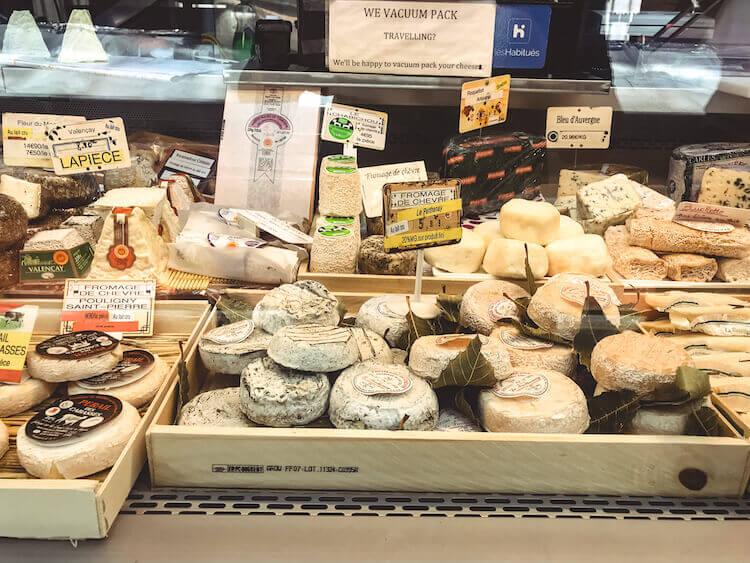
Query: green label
point(56, 264)
point(341, 128)
point(338, 220)
point(334, 231)
point(340, 170)
point(341, 159)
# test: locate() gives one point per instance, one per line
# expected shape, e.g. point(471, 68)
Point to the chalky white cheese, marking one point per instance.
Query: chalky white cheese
point(28, 194)
point(335, 249)
point(587, 254)
point(530, 221)
point(385, 315)
point(339, 191)
point(506, 258)
point(55, 370)
point(228, 349)
point(489, 231)
point(430, 355)
point(486, 302)
point(661, 421)
point(16, 398)
point(464, 257)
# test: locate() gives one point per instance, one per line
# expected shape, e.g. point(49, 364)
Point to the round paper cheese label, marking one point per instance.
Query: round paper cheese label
point(338, 220)
point(135, 365)
point(228, 215)
point(706, 226)
point(502, 309)
point(522, 385)
point(574, 291)
point(316, 334)
point(382, 382)
point(69, 419)
point(231, 334)
point(523, 342)
point(77, 345)
point(341, 159)
point(219, 240)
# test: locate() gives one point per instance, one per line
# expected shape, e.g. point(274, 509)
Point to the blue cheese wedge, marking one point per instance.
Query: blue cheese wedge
point(726, 186)
point(606, 203)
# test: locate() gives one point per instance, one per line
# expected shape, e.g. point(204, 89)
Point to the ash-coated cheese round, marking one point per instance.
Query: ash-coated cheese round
point(558, 304)
point(430, 355)
point(637, 362)
point(489, 231)
point(530, 221)
point(375, 396)
point(74, 356)
point(661, 421)
point(93, 452)
point(485, 303)
point(16, 398)
point(506, 258)
point(219, 407)
point(314, 348)
point(302, 302)
point(525, 351)
point(13, 222)
point(375, 347)
point(452, 420)
point(534, 400)
point(272, 395)
point(4, 440)
point(229, 348)
point(464, 257)
point(373, 259)
point(587, 254)
point(385, 315)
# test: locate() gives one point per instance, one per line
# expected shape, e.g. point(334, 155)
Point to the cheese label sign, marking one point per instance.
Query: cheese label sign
point(382, 382)
point(523, 342)
point(16, 327)
point(484, 103)
point(68, 419)
point(579, 127)
point(522, 385)
point(24, 141)
point(422, 214)
point(134, 366)
point(93, 146)
point(232, 333)
point(77, 345)
point(710, 218)
point(355, 126)
point(316, 334)
point(373, 178)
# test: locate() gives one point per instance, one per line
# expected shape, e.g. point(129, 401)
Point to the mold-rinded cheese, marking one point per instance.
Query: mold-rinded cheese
point(726, 186)
point(558, 304)
point(28, 194)
point(303, 302)
point(525, 351)
point(506, 258)
point(485, 303)
point(4, 441)
point(88, 226)
point(489, 231)
point(430, 355)
point(735, 323)
point(569, 228)
point(228, 349)
point(13, 222)
point(96, 452)
point(734, 269)
point(313, 347)
point(272, 395)
point(58, 192)
point(22, 36)
point(452, 420)
point(80, 43)
point(464, 257)
point(681, 301)
point(566, 205)
point(586, 254)
point(534, 400)
point(56, 239)
point(607, 202)
point(16, 398)
point(661, 421)
point(335, 249)
point(637, 362)
point(219, 407)
point(151, 200)
point(735, 364)
point(56, 370)
point(374, 348)
point(9, 266)
point(385, 315)
point(573, 180)
point(373, 259)
point(530, 221)
point(139, 173)
point(372, 395)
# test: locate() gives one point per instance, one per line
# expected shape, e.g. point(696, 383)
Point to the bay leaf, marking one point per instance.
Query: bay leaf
point(530, 328)
point(234, 310)
point(595, 327)
point(611, 411)
point(530, 279)
point(469, 367)
point(466, 401)
point(450, 305)
point(703, 421)
point(690, 385)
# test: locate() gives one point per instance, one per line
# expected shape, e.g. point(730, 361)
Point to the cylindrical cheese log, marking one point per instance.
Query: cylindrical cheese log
point(586, 254)
point(334, 250)
point(373, 259)
point(430, 355)
point(464, 257)
point(485, 303)
point(13, 222)
point(506, 258)
point(339, 191)
point(525, 351)
point(534, 400)
point(531, 221)
point(29, 393)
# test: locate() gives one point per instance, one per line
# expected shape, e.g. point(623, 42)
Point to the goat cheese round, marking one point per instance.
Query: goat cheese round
point(275, 396)
point(373, 259)
point(372, 395)
point(586, 254)
point(530, 221)
point(74, 356)
point(302, 302)
point(464, 257)
point(80, 435)
point(569, 228)
point(430, 355)
point(506, 258)
point(661, 421)
point(525, 351)
point(385, 315)
point(558, 304)
point(373, 348)
point(229, 348)
point(452, 420)
point(635, 361)
point(489, 231)
point(314, 348)
point(219, 407)
point(4, 439)
point(485, 303)
point(534, 400)
point(16, 398)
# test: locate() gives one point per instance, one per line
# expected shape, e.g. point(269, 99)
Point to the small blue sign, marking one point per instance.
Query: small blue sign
point(521, 34)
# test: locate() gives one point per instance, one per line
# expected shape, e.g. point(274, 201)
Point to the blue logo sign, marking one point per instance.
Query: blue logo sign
point(521, 34)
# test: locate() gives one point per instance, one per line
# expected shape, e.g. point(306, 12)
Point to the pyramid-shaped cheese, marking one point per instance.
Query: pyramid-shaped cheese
point(22, 36)
point(80, 43)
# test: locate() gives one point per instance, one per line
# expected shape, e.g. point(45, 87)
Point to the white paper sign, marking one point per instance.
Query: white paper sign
point(373, 178)
point(354, 126)
point(424, 38)
point(579, 127)
point(24, 142)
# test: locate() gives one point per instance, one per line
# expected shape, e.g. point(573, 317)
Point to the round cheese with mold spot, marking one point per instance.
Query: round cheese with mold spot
point(525, 351)
point(16, 398)
point(219, 407)
point(303, 302)
point(485, 303)
point(385, 315)
point(430, 355)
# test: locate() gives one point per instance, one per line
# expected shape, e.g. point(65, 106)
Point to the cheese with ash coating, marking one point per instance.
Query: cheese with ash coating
point(430, 355)
point(219, 407)
point(232, 357)
point(312, 347)
point(88, 226)
point(28, 194)
point(303, 302)
point(485, 303)
point(373, 259)
point(13, 222)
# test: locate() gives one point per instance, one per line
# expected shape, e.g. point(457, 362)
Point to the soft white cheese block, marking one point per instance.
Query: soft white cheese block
point(22, 36)
point(569, 228)
point(530, 221)
point(636, 362)
point(661, 421)
point(96, 452)
point(152, 202)
point(56, 239)
point(534, 400)
point(312, 347)
point(351, 408)
point(303, 302)
point(525, 351)
point(4, 439)
point(485, 303)
point(272, 395)
point(430, 355)
point(464, 257)
point(56, 370)
point(232, 357)
point(28, 194)
point(16, 398)
point(80, 43)
point(489, 231)
point(452, 420)
point(558, 304)
point(506, 258)
point(220, 407)
point(586, 254)
point(385, 315)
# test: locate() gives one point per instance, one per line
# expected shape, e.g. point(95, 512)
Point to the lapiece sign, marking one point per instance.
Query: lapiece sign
point(69, 419)
point(93, 146)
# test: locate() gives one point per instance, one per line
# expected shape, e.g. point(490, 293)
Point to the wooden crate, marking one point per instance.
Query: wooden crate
point(86, 508)
point(669, 285)
point(740, 420)
point(326, 458)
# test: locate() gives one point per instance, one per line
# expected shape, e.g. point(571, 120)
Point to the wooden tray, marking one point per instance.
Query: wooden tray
point(86, 508)
point(323, 458)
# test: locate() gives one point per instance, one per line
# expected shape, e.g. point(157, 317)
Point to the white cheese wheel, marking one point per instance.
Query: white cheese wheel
point(430, 355)
point(452, 420)
point(506, 258)
point(558, 304)
point(531, 221)
point(272, 395)
point(220, 407)
point(489, 231)
point(16, 398)
point(303, 302)
point(527, 352)
point(462, 258)
point(485, 303)
point(96, 452)
point(232, 357)
point(314, 348)
point(351, 408)
point(586, 254)
point(385, 315)
point(534, 400)
point(4, 440)
point(569, 228)
point(661, 421)
point(139, 392)
point(635, 361)
point(54, 371)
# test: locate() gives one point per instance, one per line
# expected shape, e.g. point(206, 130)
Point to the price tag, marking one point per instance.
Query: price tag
point(16, 327)
point(422, 214)
point(715, 218)
point(484, 103)
point(579, 127)
point(354, 126)
point(24, 141)
point(93, 146)
point(125, 307)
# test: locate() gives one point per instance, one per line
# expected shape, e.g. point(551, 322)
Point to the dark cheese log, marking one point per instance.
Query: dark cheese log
point(13, 222)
